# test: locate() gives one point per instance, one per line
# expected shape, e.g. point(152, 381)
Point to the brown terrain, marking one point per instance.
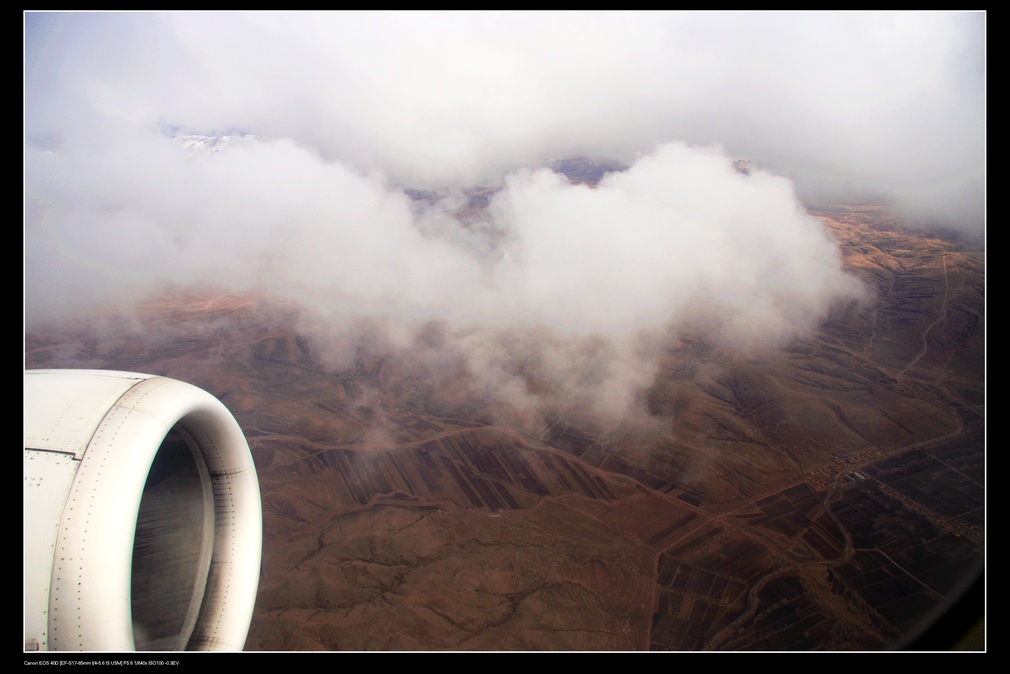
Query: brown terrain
point(826, 496)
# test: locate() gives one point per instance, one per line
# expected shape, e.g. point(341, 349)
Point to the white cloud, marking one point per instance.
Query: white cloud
point(348, 108)
point(887, 101)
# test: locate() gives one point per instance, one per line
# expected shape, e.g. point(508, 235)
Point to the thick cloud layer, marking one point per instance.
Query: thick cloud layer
point(887, 103)
point(556, 294)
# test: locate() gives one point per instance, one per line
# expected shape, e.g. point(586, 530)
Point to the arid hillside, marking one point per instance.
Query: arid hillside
point(828, 495)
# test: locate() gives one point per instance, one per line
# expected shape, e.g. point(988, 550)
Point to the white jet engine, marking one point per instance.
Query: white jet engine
point(142, 519)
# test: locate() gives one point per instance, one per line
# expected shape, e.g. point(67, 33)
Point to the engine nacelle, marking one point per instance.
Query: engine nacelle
point(142, 517)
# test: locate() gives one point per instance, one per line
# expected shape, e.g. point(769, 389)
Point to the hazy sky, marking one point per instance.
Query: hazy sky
point(344, 110)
